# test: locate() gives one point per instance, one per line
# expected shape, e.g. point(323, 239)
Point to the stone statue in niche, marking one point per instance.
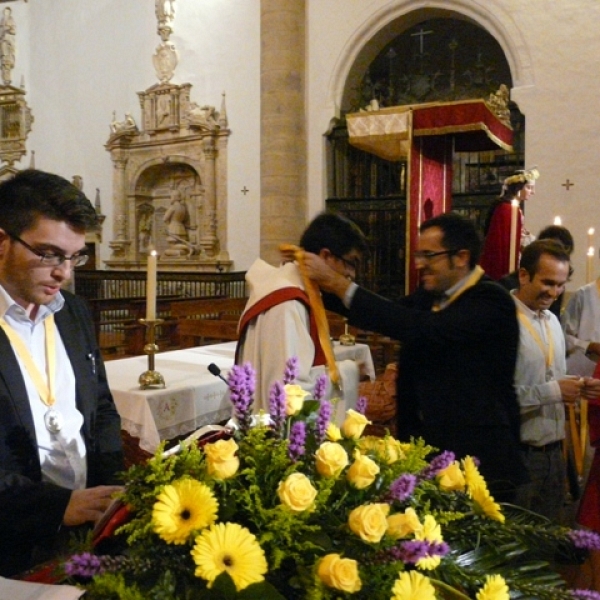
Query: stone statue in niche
point(177, 219)
point(145, 226)
point(7, 45)
point(128, 125)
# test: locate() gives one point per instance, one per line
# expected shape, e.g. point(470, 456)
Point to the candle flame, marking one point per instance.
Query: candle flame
point(591, 251)
point(557, 220)
point(591, 231)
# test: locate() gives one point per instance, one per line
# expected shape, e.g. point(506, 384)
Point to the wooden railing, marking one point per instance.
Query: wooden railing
point(117, 300)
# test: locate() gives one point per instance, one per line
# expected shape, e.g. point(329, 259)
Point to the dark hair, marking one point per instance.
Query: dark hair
point(459, 233)
point(32, 194)
point(560, 234)
point(530, 258)
point(335, 232)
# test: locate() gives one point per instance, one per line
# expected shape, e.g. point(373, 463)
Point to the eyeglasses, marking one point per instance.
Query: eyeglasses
point(353, 265)
point(428, 255)
point(49, 259)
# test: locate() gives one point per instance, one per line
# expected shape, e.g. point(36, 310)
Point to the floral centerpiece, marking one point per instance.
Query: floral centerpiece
point(302, 509)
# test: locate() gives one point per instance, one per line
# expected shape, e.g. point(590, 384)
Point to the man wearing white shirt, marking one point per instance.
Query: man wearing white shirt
point(60, 444)
point(541, 381)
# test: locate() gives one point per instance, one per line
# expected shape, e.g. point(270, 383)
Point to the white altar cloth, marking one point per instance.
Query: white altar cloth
point(193, 397)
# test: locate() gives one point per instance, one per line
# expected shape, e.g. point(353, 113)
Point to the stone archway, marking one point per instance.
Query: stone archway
point(389, 22)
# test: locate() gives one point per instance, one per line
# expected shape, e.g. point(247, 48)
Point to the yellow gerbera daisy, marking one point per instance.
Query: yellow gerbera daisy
point(232, 548)
point(182, 508)
point(483, 499)
point(494, 588)
point(472, 475)
point(412, 585)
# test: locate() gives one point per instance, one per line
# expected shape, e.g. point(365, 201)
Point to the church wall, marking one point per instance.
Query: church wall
point(88, 58)
point(82, 59)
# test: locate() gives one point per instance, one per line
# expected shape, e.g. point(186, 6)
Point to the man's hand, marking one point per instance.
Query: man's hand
point(324, 276)
point(591, 388)
point(89, 504)
point(570, 389)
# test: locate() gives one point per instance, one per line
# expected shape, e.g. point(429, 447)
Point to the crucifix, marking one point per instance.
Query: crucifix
point(244, 190)
point(421, 34)
point(567, 184)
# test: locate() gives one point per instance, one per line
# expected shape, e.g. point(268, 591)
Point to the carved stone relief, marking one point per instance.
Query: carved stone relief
point(169, 176)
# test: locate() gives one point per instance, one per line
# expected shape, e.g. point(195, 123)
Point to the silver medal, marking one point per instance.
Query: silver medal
point(53, 420)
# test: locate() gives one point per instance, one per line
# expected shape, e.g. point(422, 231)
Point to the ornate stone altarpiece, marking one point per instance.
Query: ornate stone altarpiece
point(170, 175)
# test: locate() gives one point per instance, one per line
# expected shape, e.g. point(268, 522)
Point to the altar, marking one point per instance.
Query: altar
point(193, 397)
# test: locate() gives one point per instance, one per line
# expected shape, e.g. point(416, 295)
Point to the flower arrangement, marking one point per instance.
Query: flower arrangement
point(303, 509)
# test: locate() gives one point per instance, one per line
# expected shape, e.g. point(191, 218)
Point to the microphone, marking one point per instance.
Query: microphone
point(214, 370)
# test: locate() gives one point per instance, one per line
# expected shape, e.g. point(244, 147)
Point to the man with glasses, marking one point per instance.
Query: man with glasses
point(459, 339)
point(278, 323)
point(60, 443)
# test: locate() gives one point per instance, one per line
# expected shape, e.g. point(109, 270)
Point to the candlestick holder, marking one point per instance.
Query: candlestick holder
point(151, 378)
point(347, 339)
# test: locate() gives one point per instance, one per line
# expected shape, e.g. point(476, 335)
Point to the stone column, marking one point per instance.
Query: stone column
point(208, 238)
point(283, 131)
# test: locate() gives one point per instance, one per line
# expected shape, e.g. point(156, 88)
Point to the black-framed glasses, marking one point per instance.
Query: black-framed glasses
point(353, 265)
point(50, 259)
point(428, 255)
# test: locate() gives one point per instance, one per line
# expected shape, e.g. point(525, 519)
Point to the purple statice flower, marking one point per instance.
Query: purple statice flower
point(411, 551)
point(585, 594)
point(84, 565)
point(322, 420)
point(361, 405)
point(402, 488)
point(320, 387)
point(291, 370)
point(277, 407)
point(586, 540)
point(242, 383)
point(297, 440)
point(439, 463)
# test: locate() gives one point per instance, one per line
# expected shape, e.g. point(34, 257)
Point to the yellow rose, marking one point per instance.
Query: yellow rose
point(402, 525)
point(294, 398)
point(221, 458)
point(339, 573)
point(297, 492)
point(354, 424)
point(362, 471)
point(333, 432)
point(386, 449)
point(369, 521)
point(451, 478)
point(331, 459)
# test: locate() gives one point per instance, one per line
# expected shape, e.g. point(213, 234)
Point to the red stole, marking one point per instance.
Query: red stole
point(278, 297)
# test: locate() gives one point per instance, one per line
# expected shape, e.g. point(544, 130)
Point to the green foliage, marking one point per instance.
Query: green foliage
point(294, 542)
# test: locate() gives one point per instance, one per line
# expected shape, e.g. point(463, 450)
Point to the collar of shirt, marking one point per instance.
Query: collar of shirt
point(9, 308)
point(443, 298)
point(544, 314)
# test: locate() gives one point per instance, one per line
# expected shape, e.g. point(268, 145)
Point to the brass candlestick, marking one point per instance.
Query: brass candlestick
point(347, 339)
point(151, 378)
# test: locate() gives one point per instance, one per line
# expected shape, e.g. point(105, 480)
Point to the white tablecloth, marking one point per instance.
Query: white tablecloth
point(193, 397)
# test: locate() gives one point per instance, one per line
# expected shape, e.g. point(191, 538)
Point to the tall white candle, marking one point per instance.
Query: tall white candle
point(151, 287)
point(590, 265)
point(514, 211)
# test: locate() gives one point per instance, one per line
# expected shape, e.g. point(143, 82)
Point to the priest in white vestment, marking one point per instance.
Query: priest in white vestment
point(278, 322)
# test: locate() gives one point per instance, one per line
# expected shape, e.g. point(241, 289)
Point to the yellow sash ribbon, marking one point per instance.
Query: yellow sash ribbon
point(46, 388)
point(474, 277)
point(316, 304)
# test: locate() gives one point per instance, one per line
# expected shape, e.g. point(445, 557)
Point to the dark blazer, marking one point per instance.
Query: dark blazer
point(31, 511)
point(455, 375)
